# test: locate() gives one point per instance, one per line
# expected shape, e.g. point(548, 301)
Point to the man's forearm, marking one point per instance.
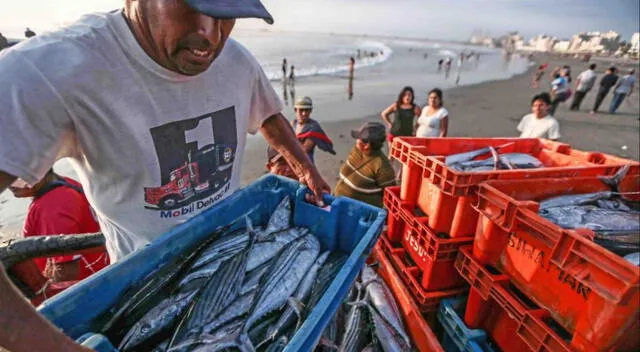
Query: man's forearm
point(277, 131)
point(23, 329)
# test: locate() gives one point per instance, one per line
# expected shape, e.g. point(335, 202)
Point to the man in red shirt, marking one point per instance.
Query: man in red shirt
point(59, 207)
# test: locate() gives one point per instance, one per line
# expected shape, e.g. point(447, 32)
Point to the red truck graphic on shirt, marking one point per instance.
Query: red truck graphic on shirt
point(205, 171)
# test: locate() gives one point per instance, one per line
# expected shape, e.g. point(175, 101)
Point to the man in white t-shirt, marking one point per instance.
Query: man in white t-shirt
point(586, 80)
point(152, 104)
point(623, 89)
point(539, 124)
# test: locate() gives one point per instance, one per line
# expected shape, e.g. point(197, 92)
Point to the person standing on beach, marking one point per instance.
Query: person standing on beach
point(292, 75)
point(559, 92)
point(308, 130)
point(352, 66)
point(440, 65)
point(434, 119)
point(59, 207)
point(623, 89)
point(29, 33)
point(537, 76)
point(284, 69)
point(163, 101)
point(367, 171)
point(606, 82)
point(405, 111)
point(447, 67)
point(586, 81)
point(539, 124)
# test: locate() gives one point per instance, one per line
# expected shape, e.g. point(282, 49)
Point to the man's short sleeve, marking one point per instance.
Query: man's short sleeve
point(523, 124)
point(554, 130)
point(33, 119)
point(264, 101)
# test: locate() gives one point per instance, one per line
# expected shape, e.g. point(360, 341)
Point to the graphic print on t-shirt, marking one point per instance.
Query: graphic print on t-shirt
point(196, 161)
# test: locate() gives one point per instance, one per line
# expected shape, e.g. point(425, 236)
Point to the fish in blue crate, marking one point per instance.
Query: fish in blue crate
point(248, 289)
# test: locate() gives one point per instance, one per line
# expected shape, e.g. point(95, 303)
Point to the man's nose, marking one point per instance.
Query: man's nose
point(209, 28)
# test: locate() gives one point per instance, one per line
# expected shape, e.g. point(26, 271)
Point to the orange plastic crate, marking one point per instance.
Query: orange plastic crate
point(590, 291)
point(510, 320)
point(447, 195)
point(427, 299)
point(419, 330)
point(393, 204)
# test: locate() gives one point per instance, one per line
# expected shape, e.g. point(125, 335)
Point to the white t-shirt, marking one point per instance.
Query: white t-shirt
point(532, 127)
point(429, 125)
point(626, 83)
point(139, 136)
point(587, 80)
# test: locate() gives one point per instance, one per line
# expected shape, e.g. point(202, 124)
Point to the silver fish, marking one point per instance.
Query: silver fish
point(592, 217)
point(613, 182)
point(354, 339)
point(281, 217)
point(285, 277)
point(468, 156)
point(267, 249)
point(382, 299)
point(294, 309)
point(232, 242)
point(221, 289)
point(158, 319)
point(224, 338)
point(388, 338)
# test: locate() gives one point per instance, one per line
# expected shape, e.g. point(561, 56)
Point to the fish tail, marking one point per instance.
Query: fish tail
point(614, 181)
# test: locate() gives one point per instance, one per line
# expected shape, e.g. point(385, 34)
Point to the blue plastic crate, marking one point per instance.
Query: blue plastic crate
point(457, 336)
point(349, 226)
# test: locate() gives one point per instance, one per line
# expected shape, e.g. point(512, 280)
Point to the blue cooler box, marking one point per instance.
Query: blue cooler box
point(347, 225)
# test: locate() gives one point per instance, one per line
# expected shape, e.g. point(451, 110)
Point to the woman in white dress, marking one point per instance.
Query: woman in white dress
point(434, 119)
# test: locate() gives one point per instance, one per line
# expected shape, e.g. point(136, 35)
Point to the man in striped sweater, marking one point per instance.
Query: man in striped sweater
point(367, 171)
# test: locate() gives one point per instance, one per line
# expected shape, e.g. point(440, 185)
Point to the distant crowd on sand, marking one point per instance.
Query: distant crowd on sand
point(561, 88)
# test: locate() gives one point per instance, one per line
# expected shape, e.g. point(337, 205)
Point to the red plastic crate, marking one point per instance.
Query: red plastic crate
point(434, 255)
point(588, 290)
point(510, 320)
point(447, 195)
point(393, 204)
point(427, 300)
point(419, 330)
point(613, 336)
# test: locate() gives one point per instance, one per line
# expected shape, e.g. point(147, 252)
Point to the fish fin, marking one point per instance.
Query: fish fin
point(496, 158)
point(614, 181)
point(298, 308)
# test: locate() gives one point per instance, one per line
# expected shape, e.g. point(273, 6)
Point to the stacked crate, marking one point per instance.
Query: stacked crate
point(434, 221)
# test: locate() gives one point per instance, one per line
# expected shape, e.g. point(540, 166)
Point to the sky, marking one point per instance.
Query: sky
point(434, 19)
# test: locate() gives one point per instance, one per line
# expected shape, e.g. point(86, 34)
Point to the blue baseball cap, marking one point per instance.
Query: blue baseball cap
point(228, 9)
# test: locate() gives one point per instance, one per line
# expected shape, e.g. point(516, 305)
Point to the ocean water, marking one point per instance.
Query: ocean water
point(321, 62)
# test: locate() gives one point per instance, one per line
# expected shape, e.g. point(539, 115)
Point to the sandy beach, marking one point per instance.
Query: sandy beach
point(490, 109)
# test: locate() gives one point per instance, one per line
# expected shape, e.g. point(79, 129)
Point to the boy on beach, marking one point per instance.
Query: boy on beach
point(308, 130)
point(539, 124)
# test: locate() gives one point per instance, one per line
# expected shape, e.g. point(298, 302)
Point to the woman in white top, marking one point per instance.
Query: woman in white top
point(434, 119)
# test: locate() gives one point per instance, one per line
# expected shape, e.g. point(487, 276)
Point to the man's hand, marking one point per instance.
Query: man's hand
point(279, 133)
point(317, 185)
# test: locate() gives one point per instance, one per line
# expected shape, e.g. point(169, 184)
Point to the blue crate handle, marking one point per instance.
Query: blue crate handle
point(96, 342)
